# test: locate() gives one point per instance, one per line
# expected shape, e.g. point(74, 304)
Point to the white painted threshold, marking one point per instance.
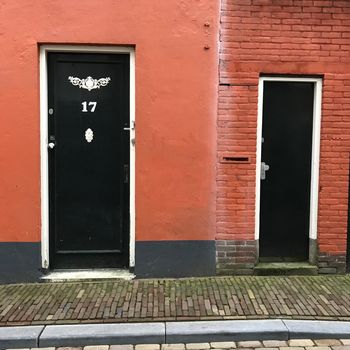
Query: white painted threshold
point(87, 275)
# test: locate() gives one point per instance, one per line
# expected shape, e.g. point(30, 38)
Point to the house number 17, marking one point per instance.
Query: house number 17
point(89, 104)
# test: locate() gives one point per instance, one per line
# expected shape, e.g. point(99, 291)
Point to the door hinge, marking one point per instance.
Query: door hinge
point(263, 168)
point(46, 264)
point(126, 173)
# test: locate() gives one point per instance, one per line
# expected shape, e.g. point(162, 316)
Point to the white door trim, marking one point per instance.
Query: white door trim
point(44, 49)
point(315, 162)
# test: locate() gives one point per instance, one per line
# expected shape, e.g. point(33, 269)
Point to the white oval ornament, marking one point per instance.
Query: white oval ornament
point(89, 83)
point(89, 135)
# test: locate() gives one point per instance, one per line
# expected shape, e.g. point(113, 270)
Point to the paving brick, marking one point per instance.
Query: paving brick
point(173, 346)
point(147, 347)
point(301, 342)
point(274, 343)
point(197, 346)
point(223, 345)
point(249, 344)
point(96, 347)
point(121, 347)
point(341, 347)
point(317, 348)
point(327, 342)
point(345, 341)
point(244, 297)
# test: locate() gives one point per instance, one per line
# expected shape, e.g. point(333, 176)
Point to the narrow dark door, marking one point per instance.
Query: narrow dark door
point(286, 153)
point(88, 160)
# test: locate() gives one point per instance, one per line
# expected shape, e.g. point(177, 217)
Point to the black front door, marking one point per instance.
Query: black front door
point(286, 170)
point(88, 103)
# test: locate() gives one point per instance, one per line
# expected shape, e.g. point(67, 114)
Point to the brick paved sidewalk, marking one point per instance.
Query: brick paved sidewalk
point(303, 297)
point(296, 344)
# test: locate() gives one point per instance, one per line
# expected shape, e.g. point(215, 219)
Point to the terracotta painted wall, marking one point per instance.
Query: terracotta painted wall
point(300, 37)
point(176, 87)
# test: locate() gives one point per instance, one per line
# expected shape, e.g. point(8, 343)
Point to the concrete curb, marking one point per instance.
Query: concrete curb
point(318, 329)
point(206, 331)
point(99, 334)
point(20, 337)
point(169, 332)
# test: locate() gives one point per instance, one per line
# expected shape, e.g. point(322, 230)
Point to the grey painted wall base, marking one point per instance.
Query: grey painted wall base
point(174, 258)
point(19, 262)
point(170, 332)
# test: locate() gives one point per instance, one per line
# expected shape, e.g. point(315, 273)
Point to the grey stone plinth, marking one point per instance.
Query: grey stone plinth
point(99, 334)
point(197, 332)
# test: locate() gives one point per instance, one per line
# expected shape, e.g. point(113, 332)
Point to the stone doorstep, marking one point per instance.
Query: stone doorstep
point(87, 275)
point(248, 331)
point(285, 269)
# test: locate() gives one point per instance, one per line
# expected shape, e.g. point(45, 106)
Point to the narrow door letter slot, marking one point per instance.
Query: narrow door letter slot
point(234, 159)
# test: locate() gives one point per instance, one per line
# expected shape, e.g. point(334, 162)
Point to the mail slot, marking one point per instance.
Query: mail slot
point(234, 159)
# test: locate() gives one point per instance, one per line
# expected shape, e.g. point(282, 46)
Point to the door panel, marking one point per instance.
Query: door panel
point(286, 149)
point(88, 167)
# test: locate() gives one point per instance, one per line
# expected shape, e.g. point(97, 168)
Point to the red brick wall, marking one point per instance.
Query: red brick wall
point(301, 37)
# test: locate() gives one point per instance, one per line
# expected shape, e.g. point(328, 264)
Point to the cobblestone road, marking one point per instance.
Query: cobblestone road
point(303, 297)
point(297, 344)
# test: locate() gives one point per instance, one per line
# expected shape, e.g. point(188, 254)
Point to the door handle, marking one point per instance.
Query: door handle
point(132, 126)
point(263, 168)
point(51, 145)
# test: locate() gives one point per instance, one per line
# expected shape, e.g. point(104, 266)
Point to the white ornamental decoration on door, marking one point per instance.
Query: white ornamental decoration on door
point(89, 135)
point(89, 83)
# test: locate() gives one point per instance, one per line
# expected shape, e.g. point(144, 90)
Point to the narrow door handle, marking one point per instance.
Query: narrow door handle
point(263, 168)
point(132, 126)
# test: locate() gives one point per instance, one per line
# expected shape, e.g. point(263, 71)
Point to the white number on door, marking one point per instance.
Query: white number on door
point(90, 104)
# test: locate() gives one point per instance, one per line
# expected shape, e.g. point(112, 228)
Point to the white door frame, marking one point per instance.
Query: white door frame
point(315, 157)
point(44, 49)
